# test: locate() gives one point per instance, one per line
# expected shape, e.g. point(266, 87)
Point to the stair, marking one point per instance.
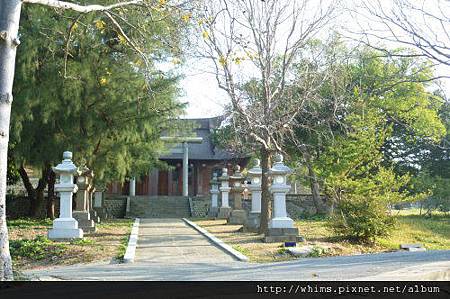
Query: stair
point(159, 207)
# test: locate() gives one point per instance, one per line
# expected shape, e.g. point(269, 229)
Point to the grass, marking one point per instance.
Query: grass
point(30, 247)
point(432, 232)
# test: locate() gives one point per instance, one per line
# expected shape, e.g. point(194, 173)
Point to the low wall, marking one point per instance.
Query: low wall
point(19, 206)
point(115, 206)
point(297, 205)
point(200, 206)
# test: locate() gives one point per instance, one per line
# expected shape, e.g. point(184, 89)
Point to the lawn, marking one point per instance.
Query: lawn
point(432, 233)
point(31, 249)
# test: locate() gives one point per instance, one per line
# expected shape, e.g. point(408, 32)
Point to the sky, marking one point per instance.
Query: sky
point(205, 99)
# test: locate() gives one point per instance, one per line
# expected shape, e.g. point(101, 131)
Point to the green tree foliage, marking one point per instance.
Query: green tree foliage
point(90, 91)
point(388, 107)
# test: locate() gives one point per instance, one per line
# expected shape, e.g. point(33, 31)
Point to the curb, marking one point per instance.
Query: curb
point(132, 243)
point(228, 249)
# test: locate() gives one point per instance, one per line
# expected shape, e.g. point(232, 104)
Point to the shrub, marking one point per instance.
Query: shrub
point(362, 220)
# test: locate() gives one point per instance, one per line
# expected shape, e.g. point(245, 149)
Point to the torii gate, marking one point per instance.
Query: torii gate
point(184, 141)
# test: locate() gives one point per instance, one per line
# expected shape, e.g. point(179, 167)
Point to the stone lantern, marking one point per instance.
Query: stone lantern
point(224, 210)
point(65, 227)
point(238, 215)
point(255, 175)
point(83, 207)
point(281, 227)
point(214, 209)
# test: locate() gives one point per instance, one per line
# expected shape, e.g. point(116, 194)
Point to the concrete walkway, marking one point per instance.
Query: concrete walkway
point(172, 241)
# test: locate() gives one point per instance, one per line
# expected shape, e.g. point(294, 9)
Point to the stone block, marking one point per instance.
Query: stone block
point(253, 222)
point(94, 216)
point(213, 212)
point(65, 228)
point(281, 222)
point(237, 217)
point(84, 222)
point(224, 213)
point(102, 213)
point(281, 235)
point(301, 251)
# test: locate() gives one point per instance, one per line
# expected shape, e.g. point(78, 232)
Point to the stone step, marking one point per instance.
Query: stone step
point(159, 207)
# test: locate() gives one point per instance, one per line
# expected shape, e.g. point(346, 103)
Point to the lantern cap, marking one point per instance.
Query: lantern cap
point(278, 168)
point(237, 175)
point(255, 170)
point(214, 179)
point(66, 166)
point(85, 171)
point(224, 175)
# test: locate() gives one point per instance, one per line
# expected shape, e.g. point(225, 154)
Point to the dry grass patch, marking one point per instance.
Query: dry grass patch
point(249, 244)
point(432, 232)
point(31, 249)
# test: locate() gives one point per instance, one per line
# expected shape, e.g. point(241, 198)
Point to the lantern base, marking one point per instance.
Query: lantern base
point(281, 222)
point(65, 228)
point(84, 221)
point(253, 222)
point(224, 213)
point(275, 235)
point(237, 217)
point(94, 216)
point(213, 212)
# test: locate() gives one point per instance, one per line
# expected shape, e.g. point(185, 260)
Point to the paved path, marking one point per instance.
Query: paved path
point(172, 241)
point(170, 250)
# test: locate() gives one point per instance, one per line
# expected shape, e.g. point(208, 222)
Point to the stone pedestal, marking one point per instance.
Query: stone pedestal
point(275, 235)
point(238, 215)
point(253, 222)
point(84, 221)
point(98, 205)
point(281, 227)
point(83, 201)
point(214, 208)
point(65, 227)
point(94, 216)
point(224, 213)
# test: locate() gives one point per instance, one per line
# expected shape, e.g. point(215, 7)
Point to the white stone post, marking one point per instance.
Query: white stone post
point(255, 174)
point(224, 210)
point(133, 186)
point(65, 227)
point(214, 196)
point(185, 169)
point(279, 188)
point(281, 227)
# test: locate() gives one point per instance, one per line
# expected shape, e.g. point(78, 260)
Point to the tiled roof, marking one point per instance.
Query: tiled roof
point(205, 150)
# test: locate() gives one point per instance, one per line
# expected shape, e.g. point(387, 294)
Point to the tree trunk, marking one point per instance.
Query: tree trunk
point(319, 204)
point(36, 196)
point(26, 183)
point(51, 195)
point(37, 208)
point(9, 27)
point(265, 194)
